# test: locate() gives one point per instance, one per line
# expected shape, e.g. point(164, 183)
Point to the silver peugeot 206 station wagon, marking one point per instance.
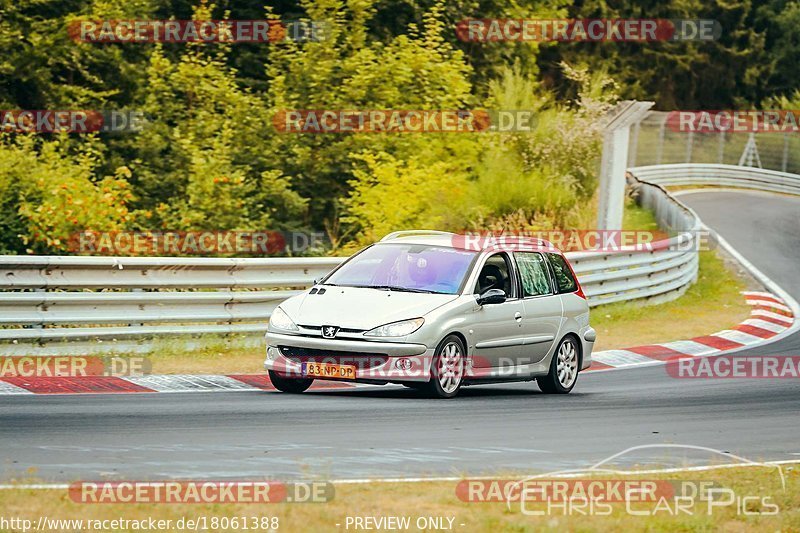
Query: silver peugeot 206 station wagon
point(436, 311)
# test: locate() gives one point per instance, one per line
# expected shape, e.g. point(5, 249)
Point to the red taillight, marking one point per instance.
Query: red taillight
point(578, 292)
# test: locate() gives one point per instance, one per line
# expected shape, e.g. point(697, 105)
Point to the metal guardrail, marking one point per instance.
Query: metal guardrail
point(720, 176)
point(660, 275)
point(606, 277)
point(49, 299)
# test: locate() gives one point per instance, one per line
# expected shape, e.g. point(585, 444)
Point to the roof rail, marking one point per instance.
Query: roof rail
point(404, 233)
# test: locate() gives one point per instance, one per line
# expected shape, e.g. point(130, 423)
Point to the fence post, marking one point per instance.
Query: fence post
point(660, 145)
point(634, 148)
point(613, 165)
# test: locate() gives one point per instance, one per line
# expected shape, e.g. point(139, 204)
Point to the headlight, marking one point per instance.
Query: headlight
point(397, 329)
point(280, 320)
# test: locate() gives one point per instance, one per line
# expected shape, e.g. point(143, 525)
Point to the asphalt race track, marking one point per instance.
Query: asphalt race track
point(393, 432)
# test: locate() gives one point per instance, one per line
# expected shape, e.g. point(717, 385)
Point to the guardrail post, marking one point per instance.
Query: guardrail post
point(39, 325)
point(614, 161)
point(785, 161)
point(134, 324)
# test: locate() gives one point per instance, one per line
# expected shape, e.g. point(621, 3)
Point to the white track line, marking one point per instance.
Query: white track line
point(773, 287)
point(700, 468)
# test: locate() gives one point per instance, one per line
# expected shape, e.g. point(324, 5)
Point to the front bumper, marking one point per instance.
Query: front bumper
point(403, 361)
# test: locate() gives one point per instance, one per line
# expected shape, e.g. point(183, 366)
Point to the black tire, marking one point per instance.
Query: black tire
point(434, 386)
point(289, 385)
point(551, 384)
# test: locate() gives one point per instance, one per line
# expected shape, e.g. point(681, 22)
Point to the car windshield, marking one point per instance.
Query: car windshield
point(406, 267)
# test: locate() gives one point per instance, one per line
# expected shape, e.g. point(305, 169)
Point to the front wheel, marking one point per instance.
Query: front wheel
point(290, 385)
point(563, 369)
point(447, 368)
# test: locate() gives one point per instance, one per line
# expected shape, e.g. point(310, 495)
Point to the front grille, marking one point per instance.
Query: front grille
point(341, 330)
point(360, 360)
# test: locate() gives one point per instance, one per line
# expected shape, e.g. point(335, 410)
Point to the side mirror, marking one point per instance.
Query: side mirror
point(317, 280)
point(492, 296)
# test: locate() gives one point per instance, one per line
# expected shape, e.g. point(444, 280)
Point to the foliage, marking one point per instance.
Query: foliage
point(537, 179)
point(390, 194)
point(210, 157)
point(749, 62)
point(210, 127)
point(51, 191)
point(348, 71)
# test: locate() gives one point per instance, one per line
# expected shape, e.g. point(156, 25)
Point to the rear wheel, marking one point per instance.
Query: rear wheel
point(563, 369)
point(447, 368)
point(290, 385)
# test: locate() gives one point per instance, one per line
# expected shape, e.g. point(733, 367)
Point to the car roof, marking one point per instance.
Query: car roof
point(479, 241)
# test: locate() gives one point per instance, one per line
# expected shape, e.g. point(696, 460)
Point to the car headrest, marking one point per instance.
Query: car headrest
point(491, 277)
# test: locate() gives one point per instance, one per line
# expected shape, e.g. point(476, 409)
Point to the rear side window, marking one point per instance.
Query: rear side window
point(533, 271)
point(564, 279)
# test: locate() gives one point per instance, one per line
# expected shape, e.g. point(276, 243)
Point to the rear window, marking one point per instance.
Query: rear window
point(565, 282)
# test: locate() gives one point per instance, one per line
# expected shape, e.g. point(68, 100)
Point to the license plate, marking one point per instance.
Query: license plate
point(328, 370)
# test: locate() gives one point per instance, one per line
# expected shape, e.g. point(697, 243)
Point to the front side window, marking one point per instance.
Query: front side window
point(495, 274)
point(533, 271)
point(406, 267)
point(564, 279)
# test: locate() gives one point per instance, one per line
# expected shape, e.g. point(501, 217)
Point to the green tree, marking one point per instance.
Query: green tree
point(676, 75)
point(347, 71)
point(202, 161)
point(51, 190)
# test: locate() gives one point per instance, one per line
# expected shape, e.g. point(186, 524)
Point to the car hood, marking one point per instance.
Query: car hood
point(360, 308)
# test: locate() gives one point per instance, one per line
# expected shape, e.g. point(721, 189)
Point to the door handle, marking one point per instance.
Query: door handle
point(518, 316)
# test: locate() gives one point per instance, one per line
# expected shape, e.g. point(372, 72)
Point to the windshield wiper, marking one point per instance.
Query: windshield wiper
point(402, 289)
point(393, 288)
